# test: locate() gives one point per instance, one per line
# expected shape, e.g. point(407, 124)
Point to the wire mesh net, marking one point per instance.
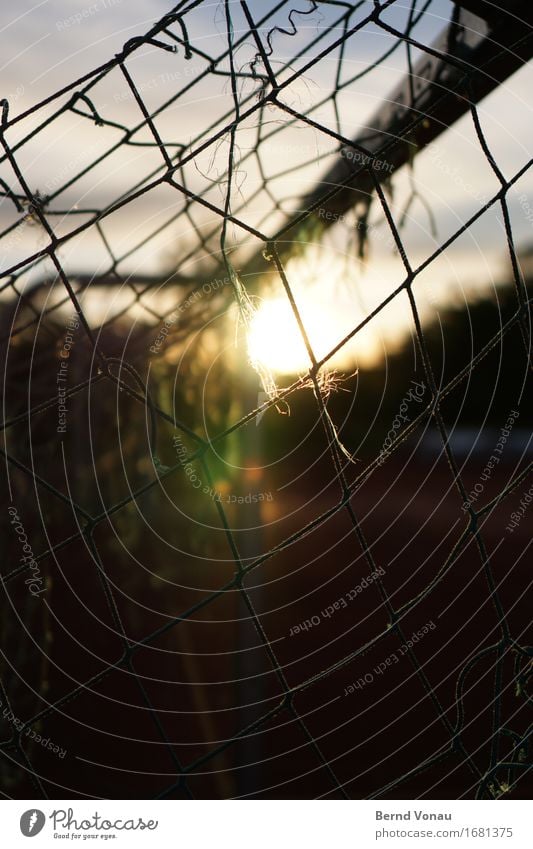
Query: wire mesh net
point(172, 627)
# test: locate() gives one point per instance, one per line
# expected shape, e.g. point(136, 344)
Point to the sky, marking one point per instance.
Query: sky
point(49, 43)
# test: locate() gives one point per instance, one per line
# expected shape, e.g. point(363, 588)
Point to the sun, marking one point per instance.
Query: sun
point(275, 341)
point(328, 311)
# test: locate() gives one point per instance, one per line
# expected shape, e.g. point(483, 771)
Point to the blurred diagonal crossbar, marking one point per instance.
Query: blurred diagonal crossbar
point(474, 55)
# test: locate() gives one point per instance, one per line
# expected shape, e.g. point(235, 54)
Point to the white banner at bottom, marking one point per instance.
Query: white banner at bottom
point(268, 824)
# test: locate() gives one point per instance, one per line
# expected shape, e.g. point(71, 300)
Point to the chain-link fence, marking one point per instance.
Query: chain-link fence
point(177, 622)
